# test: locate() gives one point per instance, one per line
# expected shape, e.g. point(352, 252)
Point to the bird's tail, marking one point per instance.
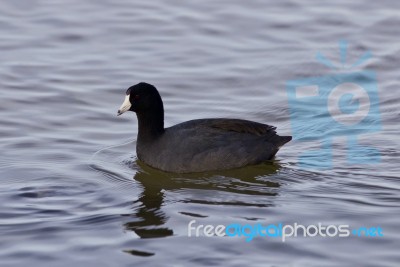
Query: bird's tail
point(281, 140)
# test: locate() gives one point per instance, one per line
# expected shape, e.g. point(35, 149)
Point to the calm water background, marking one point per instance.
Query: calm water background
point(72, 192)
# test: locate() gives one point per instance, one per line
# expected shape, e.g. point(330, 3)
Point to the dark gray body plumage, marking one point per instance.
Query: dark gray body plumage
point(210, 144)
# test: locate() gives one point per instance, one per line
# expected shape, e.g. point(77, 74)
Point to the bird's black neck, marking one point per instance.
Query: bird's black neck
point(151, 125)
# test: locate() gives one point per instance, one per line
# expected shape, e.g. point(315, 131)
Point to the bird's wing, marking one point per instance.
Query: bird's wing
point(242, 126)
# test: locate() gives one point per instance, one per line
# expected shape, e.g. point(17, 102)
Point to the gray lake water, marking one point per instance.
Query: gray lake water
point(72, 192)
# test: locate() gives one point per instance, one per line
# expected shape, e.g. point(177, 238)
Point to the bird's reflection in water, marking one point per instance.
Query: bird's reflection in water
point(149, 218)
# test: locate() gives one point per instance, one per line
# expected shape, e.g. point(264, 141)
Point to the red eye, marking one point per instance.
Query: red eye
point(136, 97)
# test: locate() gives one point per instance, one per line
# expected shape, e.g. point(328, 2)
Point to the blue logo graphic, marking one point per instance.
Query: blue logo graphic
point(344, 103)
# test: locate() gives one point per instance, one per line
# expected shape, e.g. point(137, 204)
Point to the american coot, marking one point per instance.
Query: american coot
point(196, 145)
